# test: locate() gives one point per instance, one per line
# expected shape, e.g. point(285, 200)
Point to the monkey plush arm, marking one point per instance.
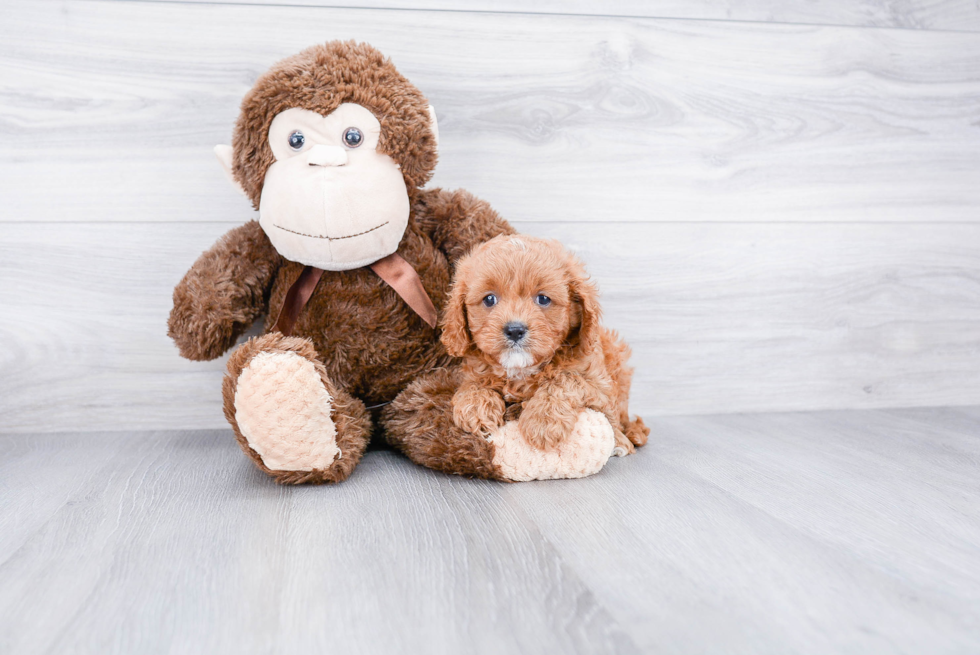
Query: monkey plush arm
point(458, 220)
point(223, 293)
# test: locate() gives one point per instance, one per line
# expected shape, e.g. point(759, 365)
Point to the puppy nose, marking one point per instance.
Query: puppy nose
point(515, 331)
point(326, 156)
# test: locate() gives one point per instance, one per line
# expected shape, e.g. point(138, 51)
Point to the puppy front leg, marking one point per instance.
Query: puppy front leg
point(477, 410)
point(548, 418)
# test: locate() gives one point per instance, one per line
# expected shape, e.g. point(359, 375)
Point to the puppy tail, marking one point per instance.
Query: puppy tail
point(637, 432)
point(616, 354)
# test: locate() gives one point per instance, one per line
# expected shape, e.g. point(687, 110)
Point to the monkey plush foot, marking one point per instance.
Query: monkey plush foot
point(581, 454)
point(288, 416)
point(284, 413)
point(420, 424)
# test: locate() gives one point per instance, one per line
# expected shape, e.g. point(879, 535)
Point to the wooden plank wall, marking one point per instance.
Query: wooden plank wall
point(780, 201)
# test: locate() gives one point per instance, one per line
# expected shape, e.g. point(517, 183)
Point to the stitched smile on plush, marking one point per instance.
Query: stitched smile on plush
point(330, 199)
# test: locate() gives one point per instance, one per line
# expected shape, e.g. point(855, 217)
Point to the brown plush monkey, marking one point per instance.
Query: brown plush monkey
point(332, 147)
point(350, 261)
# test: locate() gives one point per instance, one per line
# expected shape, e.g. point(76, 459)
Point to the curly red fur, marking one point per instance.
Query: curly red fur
point(566, 362)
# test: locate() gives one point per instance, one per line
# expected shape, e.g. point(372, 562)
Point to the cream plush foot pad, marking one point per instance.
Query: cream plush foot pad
point(584, 453)
point(283, 411)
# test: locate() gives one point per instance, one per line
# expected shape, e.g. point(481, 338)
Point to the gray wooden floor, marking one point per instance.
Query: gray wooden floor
point(852, 531)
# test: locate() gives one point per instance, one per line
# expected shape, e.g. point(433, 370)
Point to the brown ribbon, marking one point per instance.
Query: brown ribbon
point(296, 298)
point(401, 277)
point(393, 269)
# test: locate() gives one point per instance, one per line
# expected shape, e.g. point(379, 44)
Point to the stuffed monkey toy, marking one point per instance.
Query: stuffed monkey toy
point(350, 262)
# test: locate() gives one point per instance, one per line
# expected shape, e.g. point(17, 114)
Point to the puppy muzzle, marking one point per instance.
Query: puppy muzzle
point(515, 332)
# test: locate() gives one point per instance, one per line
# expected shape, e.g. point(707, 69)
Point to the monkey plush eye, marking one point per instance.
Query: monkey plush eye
point(297, 140)
point(353, 137)
point(542, 300)
point(490, 300)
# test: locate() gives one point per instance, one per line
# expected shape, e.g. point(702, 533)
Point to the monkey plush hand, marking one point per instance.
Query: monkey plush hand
point(350, 261)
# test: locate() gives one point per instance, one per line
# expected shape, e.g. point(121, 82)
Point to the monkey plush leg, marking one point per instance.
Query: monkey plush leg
point(420, 423)
point(288, 416)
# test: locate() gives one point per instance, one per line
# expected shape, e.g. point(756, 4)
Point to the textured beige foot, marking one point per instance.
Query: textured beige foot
point(283, 412)
point(583, 453)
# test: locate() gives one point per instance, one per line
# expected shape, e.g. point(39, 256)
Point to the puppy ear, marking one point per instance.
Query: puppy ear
point(586, 312)
point(455, 333)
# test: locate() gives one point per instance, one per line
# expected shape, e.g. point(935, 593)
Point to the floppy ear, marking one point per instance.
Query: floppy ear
point(585, 307)
point(455, 333)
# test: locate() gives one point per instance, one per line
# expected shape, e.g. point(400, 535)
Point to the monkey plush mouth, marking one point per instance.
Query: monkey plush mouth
point(329, 203)
point(318, 236)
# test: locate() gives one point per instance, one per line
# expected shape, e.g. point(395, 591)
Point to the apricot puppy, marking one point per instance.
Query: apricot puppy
point(525, 318)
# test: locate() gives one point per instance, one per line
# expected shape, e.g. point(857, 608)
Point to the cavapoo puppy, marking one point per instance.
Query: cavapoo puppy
point(525, 318)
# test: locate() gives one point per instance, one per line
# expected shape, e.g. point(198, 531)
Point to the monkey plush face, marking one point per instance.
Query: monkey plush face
point(330, 146)
point(330, 199)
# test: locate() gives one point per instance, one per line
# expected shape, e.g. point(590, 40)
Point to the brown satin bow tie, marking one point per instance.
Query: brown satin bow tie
point(393, 269)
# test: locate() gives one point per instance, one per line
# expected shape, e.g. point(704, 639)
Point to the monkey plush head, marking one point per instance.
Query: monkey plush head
point(330, 145)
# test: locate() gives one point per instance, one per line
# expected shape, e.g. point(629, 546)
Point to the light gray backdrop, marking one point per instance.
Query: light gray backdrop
point(780, 200)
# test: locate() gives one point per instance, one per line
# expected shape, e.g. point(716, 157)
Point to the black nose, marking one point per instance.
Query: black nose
point(515, 331)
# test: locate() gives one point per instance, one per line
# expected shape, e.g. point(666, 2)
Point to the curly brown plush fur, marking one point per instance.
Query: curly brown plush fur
point(320, 79)
point(419, 423)
point(224, 293)
point(364, 341)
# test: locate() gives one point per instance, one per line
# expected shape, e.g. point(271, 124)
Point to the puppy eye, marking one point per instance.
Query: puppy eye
point(542, 300)
point(489, 300)
point(353, 137)
point(297, 140)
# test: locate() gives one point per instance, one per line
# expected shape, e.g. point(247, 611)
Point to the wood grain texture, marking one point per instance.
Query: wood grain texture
point(957, 15)
point(721, 317)
point(781, 216)
point(549, 117)
point(815, 515)
point(844, 532)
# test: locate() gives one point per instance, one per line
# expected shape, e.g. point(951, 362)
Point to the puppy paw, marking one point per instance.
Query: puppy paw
point(624, 446)
point(478, 411)
point(545, 426)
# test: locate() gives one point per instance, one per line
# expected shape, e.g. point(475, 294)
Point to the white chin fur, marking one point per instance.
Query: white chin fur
point(517, 363)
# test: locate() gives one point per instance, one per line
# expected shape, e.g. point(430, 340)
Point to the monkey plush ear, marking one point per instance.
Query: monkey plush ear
point(435, 124)
point(226, 155)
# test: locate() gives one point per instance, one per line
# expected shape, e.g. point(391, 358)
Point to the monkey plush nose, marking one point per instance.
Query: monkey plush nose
point(326, 156)
point(515, 331)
